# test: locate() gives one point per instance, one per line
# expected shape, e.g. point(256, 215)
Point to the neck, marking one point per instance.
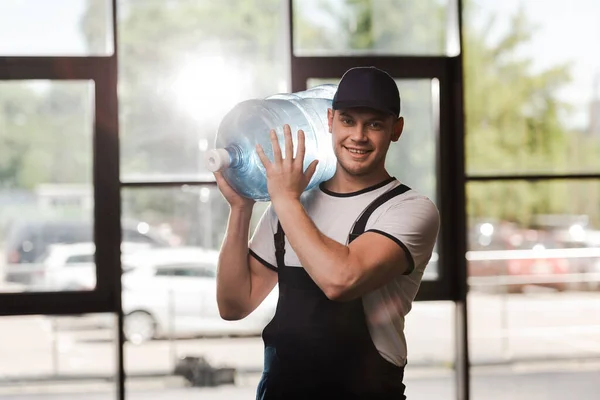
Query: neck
point(342, 182)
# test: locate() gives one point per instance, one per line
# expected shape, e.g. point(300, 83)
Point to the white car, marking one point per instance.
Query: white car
point(172, 293)
point(72, 267)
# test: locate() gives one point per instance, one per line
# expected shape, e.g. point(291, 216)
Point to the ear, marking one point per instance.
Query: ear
point(330, 113)
point(398, 128)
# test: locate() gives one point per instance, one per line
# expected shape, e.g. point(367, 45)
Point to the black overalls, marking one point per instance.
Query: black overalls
point(318, 348)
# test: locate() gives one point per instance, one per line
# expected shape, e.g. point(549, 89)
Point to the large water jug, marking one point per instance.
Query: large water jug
point(250, 122)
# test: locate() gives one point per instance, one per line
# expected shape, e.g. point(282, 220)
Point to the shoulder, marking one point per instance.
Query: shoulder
point(409, 208)
point(412, 200)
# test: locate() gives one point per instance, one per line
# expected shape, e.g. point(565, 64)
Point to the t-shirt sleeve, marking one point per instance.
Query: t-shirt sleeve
point(413, 224)
point(262, 245)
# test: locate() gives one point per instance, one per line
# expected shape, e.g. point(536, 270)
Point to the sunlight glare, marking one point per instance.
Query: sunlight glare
point(209, 87)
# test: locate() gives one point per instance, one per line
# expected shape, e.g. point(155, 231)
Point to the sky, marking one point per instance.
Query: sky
point(35, 27)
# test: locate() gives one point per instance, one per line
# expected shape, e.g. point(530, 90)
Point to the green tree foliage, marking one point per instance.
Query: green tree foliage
point(39, 124)
point(513, 124)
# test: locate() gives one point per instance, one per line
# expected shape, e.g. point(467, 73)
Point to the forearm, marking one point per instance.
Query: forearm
point(326, 261)
point(233, 273)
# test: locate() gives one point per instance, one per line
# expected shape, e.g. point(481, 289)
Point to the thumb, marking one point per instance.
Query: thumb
point(221, 182)
point(310, 171)
point(217, 176)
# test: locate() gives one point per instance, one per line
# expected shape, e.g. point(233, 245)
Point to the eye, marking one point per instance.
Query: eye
point(347, 121)
point(375, 125)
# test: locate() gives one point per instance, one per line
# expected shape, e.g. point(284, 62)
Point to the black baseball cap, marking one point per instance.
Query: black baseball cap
point(368, 87)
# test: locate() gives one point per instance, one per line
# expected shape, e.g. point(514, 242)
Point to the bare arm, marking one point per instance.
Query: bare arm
point(242, 281)
point(342, 272)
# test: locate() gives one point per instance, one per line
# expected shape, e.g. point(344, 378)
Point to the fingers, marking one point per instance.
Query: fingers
point(289, 145)
point(263, 157)
point(310, 171)
point(277, 159)
point(301, 148)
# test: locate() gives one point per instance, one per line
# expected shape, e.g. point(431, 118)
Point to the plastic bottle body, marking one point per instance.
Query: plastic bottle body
point(249, 123)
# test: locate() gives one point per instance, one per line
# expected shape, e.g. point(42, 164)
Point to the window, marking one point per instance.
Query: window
point(534, 274)
point(55, 28)
point(183, 65)
point(42, 121)
point(365, 27)
point(532, 91)
point(80, 346)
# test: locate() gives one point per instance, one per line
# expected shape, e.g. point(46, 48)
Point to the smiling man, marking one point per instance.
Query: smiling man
point(349, 255)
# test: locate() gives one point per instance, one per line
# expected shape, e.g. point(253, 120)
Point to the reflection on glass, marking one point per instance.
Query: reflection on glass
point(56, 28)
point(534, 276)
point(530, 109)
point(183, 65)
point(365, 27)
point(58, 356)
point(46, 198)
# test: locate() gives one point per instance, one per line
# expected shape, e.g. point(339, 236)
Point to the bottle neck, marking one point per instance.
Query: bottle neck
point(235, 155)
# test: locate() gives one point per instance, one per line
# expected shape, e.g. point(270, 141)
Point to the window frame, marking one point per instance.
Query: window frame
point(106, 296)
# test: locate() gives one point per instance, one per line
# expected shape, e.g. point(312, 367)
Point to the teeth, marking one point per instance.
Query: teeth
point(357, 151)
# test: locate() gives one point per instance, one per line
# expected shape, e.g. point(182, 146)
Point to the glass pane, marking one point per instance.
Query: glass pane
point(170, 217)
point(56, 28)
point(534, 274)
point(413, 158)
point(46, 198)
point(58, 357)
point(532, 91)
point(366, 27)
point(183, 65)
point(430, 341)
point(169, 292)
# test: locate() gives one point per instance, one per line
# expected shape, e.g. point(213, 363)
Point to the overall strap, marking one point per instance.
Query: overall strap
point(361, 222)
point(280, 246)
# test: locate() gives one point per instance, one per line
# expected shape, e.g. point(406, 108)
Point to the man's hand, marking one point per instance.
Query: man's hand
point(286, 178)
point(235, 200)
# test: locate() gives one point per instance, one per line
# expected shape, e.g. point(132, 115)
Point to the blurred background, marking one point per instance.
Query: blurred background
point(531, 107)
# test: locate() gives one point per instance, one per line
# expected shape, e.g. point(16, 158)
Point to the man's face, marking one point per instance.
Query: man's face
point(361, 138)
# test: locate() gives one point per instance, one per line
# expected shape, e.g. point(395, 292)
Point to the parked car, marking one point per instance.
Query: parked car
point(495, 252)
point(538, 271)
point(28, 240)
point(72, 267)
point(172, 293)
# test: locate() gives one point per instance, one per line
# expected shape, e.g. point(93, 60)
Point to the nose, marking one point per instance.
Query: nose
point(358, 133)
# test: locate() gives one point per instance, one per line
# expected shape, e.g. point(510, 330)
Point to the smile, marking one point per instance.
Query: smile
point(357, 151)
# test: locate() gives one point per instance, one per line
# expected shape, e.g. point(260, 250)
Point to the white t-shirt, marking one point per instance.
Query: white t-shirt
point(410, 219)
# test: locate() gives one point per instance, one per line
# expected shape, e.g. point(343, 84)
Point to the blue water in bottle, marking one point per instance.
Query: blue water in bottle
point(250, 122)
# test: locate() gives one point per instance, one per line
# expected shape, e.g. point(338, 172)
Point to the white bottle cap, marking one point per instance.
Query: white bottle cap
point(217, 160)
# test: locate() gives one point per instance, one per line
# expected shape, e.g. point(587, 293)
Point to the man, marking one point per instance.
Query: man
point(338, 329)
